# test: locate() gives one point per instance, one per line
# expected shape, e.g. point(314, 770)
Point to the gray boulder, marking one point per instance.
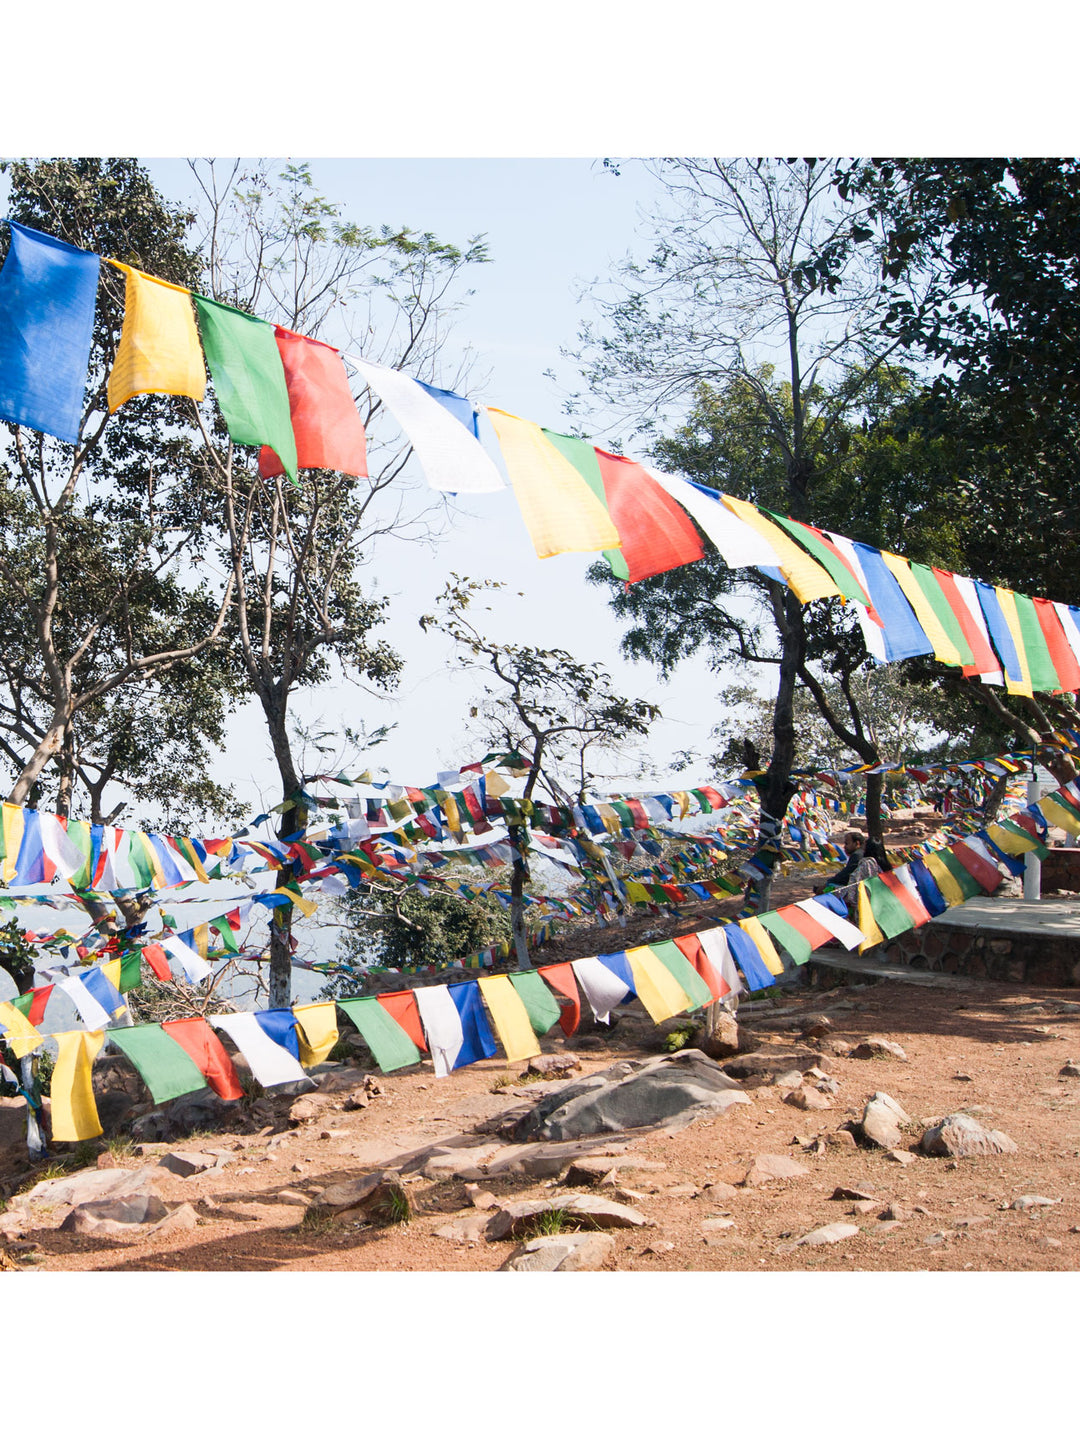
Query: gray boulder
point(88, 1185)
point(882, 1120)
point(634, 1095)
point(562, 1254)
point(961, 1136)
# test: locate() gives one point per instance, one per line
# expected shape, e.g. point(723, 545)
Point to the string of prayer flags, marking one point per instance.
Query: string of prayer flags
point(48, 292)
point(249, 379)
point(166, 1069)
point(326, 424)
point(561, 512)
point(159, 351)
point(449, 453)
point(510, 1017)
point(389, 1044)
point(269, 1061)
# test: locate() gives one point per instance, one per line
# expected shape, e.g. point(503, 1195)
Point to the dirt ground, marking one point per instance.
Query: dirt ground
point(991, 1049)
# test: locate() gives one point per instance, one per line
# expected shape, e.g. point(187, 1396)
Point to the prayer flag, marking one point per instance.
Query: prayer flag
point(805, 576)
point(74, 1113)
point(401, 1006)
point(601, 986)
point(317, 1031)
point(210, 1056)
point(971, 622)
point(389, 1044)
point(684, 972)
point(737, 542)
point(655, 986)
point(166, 1070)
point(944, 648)
point(819, 547)
point(1043, 672)
point(540, 1004)
point(901, 636)
point(747, 957)
point(159, 351)
point(928, 887)
point(838, 925)
point(19, 1033)
point(891, 914)
point(1002, 638)
point(562, 979)
point(560, 511)
point(760, 937)
point(716, 968)
point(1058, 643)
point(326, 424)
point(249, 380)
point(510, 1017)
point(787, 936)
point(456, 1028)
point(47, 294)
point(271, 1063)
point(449, 453)
point(280, 1026)
point(867, 923)
point(462, 408)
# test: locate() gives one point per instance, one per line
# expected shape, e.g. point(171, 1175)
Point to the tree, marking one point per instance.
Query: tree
point(279, 249)
point(729, 280)
point(545, 705)
point(97, 539)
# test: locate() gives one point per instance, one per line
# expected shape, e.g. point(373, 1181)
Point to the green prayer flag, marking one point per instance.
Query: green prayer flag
point(130, 970)
point(167, 1070)
point(388, 1042)
point(540, 1004)
point(938, 602)
point(1041, 668)
point(964, 878)
point(787, 936)
point(249, 379)
point(683, 972)
point(889, 914)
point(22, 1003)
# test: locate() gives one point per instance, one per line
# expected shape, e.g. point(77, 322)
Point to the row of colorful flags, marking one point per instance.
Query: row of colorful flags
point(291, 397)
point(457, 1024)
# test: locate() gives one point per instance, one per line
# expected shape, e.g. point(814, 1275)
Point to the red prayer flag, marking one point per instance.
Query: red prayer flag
point(690, 946)
point(156, 959)
point(1059, 647)
point(561, 977)
point(401, 1006)
point(980, 869)
point(915, 907)
point(986, 662)
point(36, 1013)
point(327, 425)
point(814, 933)
point(655, 533)
point(201, 1044)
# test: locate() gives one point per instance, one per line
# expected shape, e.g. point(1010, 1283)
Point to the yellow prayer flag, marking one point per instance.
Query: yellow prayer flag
point(763, 942)
point(808, 579)
point(867, 923)
point(945, 880)
point(944, 649)
point(19, 1034)
point(510, 1017)
point(560, 511)
point(316, 1031)
point(159, 352)
point(657, 988)
point(111, 971)
point(1007, 601)
point(1059, 815)
point(1010, 842)
point(74, 1113)
point(14, 823)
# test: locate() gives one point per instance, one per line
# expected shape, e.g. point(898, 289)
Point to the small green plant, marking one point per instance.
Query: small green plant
point(548, 1221)
point(84, 1153)
point(121, 1146)
point(679, 1037)
point(315, 1221)
point(504, 1081)
point(395, 1209)
point(252, 1089)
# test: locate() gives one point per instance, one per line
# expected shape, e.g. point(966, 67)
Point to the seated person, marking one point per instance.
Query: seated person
point(865, 858)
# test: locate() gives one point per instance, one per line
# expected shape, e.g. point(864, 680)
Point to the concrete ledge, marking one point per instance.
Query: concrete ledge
point(1012, 940)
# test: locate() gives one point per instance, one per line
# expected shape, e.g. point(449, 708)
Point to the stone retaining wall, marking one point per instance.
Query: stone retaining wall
point(987, 954)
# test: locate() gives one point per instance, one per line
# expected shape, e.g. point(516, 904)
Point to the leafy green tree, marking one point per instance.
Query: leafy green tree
point(279, 249)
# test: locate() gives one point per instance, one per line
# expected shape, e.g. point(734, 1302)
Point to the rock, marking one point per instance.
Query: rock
point(840, 1047)
point(886, 1226)
point(719, 1190)
point(829, 1234)
point(768, 1167)
point(842, 1192)
point(14, 1223)
point(679, 1087)
point(561, 1254)
point(716, 1223)
point(512, 1220)
point(864, 1206)
point(682, 1191)
point(181, 1218)
point(546, 1161)
point(882, 1119)
point(460, 1164)
point(481, 1198)
point(806, 1098)
point(719, 1039)
point(304, 1110)
point(841, 1138)
point(1045, 1241)
point(1032, 1201)
point(899, 1212)
point(552, 1066)
point(817, 1027)
point(963, 1078)
point(292, 1196)
point(111, 1218)
point(962, 1136)
point(466, 1229)
point(877, 1048)
point(185, 1163)
point(1070, 1070)
point(87, 1185)
point(659, 1246)
point(791, 1079)
point(605, 1213)
point(900, 1156)
point(763, 1065)
point(378, 1197)
point(591, 1170)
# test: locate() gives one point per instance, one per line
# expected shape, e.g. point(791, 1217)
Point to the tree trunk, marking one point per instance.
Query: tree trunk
point(49, 745)
point(294, 819)
point(875, 788)
point(995, 797)
point(518, 879)
point(775, 788)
